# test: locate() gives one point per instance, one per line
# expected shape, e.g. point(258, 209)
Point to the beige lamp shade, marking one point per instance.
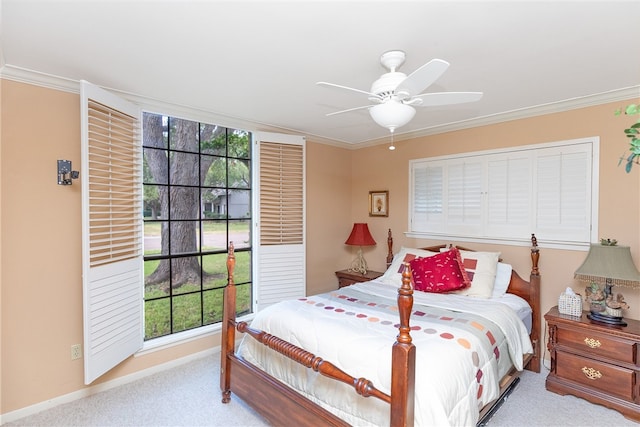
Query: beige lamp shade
point(609, 265)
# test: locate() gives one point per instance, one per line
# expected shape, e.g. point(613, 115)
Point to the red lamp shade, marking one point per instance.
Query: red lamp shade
point(360, 235)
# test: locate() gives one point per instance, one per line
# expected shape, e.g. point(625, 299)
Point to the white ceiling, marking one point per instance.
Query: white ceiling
point(254, 64)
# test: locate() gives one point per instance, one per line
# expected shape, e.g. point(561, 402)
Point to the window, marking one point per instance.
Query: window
point(546, 189)
point(197, 198)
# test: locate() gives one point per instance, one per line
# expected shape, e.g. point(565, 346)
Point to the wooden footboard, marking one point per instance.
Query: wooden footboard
point(281, 405)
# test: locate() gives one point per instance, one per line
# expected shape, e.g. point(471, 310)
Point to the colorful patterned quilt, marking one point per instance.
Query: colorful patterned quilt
point(464, 346)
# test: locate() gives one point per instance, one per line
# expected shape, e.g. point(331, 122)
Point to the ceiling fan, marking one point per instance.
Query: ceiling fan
point(394, 95)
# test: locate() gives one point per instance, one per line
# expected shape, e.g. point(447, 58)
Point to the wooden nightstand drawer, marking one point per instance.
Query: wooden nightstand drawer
point(346, 277)
point(615, 380)
point(343, 281)
point(598, 344)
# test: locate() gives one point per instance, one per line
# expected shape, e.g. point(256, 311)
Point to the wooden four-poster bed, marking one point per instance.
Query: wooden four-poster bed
point(287, 399)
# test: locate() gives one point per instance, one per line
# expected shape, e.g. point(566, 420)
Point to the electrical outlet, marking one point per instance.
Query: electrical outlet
point(76, 351)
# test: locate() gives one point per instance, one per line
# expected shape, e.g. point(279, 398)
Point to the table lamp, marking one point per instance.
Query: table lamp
point(360, 237)
point(607, 265)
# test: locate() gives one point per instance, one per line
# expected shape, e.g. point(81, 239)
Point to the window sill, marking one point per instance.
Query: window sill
point(570, 246)
point(168, 341)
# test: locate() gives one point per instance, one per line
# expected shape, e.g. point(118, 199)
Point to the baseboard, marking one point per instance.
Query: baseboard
point(91, 390)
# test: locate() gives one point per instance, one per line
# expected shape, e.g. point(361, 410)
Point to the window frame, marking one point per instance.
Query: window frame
point(197, 331)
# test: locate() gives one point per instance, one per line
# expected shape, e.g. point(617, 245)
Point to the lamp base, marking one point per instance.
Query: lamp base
point(606, 319)
point(359, 265)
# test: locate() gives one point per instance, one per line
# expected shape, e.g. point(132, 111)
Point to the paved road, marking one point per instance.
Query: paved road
point(210, 239)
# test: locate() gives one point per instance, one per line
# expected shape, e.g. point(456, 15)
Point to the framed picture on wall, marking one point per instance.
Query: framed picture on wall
point(378, 203)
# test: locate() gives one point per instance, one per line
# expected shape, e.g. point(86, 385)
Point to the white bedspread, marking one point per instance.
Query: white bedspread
point(461, 354)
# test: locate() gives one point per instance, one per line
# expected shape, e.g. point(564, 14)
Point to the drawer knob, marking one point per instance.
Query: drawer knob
point(592, 342)
point(591, 373)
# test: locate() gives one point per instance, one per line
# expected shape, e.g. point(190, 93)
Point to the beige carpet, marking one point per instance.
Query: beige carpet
point(189, 396)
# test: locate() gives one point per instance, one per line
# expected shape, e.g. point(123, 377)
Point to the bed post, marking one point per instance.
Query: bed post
point(403, 359)
point(534, 301)
point(227, 338)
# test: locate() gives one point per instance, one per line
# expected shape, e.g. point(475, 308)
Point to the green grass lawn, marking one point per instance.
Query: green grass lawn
point(191, 306)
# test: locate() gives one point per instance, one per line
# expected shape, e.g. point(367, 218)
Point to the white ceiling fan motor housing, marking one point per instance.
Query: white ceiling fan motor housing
point(385, 86)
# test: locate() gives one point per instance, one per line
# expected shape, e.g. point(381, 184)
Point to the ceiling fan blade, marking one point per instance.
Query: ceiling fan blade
point(422, 78)
point(349, 88)
point(444, 98)
point(348, 110)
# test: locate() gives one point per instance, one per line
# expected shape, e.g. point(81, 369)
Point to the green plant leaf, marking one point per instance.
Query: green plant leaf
point(632, 133)
point(629, 164)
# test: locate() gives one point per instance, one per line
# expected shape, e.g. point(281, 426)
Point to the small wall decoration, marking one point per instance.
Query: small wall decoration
point(378, 203)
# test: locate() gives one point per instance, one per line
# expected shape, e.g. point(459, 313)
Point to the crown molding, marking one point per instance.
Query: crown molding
point(24, 75)
point(523, 113)
point(50, 81)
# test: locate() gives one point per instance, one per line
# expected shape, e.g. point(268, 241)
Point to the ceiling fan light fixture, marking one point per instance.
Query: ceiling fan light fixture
point(392, 114)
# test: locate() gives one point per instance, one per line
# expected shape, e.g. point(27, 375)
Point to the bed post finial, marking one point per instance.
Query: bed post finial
point(231, 263)
point(535, 255)
point(405, 305)
point(390, 248)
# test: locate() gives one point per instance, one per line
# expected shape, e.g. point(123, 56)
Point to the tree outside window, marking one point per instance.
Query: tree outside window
point(197, 198)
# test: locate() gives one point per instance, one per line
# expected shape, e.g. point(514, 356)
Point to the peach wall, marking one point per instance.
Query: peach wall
point(1, 352)
point(40, 240)
point(41, 245)
point(328, 210)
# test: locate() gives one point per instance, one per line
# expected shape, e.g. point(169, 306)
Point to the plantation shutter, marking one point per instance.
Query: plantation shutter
point(564, 193)
point(111, 230)
point(281, 268)
point(428, 187)
point(509, 197)
point(549, 190)
point(464, 201)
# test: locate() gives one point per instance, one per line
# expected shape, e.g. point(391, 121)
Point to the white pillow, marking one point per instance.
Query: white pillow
point(393, 275)
point(503, 277)
point(481, 268)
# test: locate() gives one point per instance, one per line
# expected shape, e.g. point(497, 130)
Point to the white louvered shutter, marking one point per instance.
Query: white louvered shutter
point(464, 201)
point(564, 194)
point(427, 213)
point(509, 198)
point(111, 230)
point(281, 269)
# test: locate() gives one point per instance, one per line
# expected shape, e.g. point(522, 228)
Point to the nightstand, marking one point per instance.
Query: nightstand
point(595, 362)
point(346, 277)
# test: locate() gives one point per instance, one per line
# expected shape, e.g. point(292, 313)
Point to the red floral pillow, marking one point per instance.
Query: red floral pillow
point(439, 273)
